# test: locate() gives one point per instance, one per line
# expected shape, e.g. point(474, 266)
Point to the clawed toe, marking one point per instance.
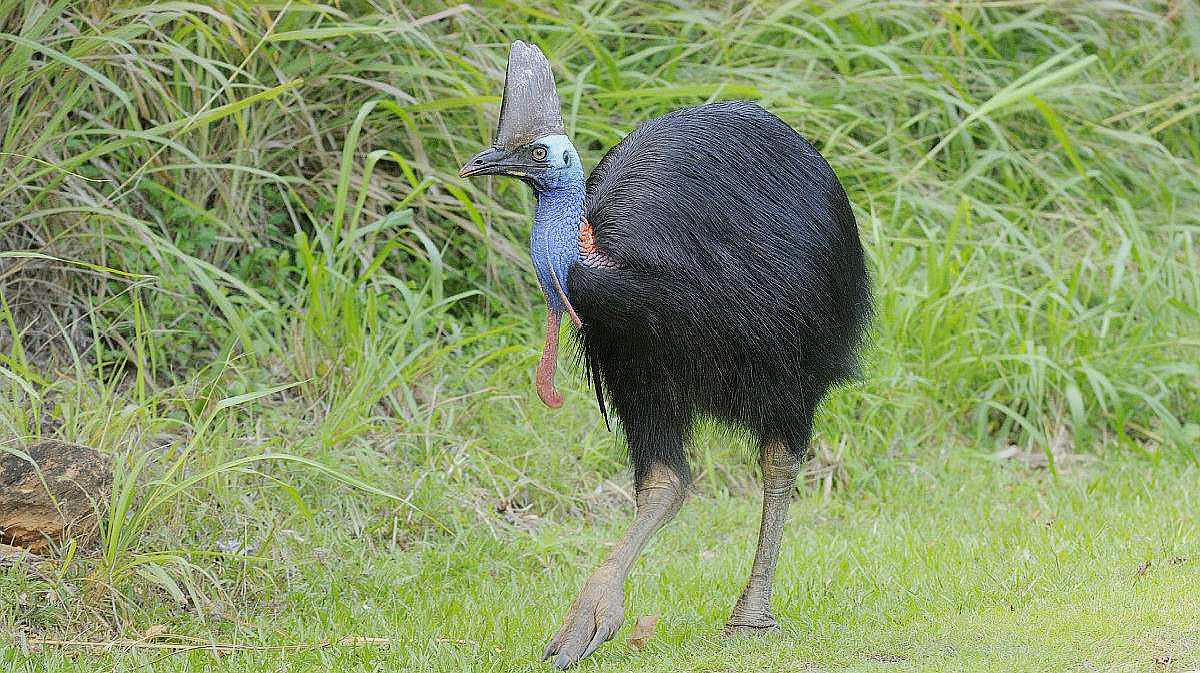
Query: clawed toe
point(757, 627)
point(593, 619)
point(574, 650)
point(578, 640)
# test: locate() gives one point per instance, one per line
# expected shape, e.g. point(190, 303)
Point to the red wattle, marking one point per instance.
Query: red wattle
point(549, 362)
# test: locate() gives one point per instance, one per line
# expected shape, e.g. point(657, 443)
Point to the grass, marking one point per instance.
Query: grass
point(922, 572)
point(235, 257)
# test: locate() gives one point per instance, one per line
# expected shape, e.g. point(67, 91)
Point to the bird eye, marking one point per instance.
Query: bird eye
point(539, 153)
point(566, 158)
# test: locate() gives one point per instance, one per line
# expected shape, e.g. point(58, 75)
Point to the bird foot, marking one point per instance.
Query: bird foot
point(750, 625)
point(594, 618)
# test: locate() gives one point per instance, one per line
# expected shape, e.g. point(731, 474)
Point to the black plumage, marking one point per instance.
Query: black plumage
point(739, 289)
point(712, 266)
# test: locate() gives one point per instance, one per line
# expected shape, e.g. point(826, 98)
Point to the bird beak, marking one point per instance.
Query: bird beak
point(491, 161)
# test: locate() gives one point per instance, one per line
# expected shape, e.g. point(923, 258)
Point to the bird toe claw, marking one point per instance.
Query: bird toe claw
point(593, 619)
point(757, 627)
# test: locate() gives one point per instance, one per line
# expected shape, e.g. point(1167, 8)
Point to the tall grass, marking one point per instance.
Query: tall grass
point(258, 202)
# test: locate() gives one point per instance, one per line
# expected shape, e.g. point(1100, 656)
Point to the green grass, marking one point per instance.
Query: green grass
point(967, 566)
point(235, 256)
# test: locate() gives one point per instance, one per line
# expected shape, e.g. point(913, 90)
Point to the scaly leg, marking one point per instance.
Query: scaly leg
point(752, 613)
point(598, 613)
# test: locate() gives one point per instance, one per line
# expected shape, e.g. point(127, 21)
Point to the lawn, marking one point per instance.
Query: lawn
point(971, 564)
point(236, 259)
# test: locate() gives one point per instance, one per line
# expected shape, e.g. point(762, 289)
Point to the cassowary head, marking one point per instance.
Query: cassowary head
point(531, 145)
point(531, 142)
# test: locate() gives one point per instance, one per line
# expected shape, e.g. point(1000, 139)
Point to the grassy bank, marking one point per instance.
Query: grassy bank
point(235, 256)
point(969, 566)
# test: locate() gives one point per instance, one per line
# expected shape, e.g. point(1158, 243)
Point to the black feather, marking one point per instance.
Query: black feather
point(741, 291)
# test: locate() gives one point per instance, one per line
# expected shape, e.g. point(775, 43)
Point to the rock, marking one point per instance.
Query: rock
point(10, 555)
point(60, 502)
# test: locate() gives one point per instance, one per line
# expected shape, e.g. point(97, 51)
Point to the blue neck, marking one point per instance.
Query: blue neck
point(554, 241)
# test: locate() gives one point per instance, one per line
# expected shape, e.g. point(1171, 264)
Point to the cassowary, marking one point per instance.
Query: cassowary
point(712, 268)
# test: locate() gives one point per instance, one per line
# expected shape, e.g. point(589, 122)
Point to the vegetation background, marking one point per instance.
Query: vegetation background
point(235, 256)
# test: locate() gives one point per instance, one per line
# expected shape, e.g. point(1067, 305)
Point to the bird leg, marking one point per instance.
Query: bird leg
point(752, 613)
point(598, 612)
